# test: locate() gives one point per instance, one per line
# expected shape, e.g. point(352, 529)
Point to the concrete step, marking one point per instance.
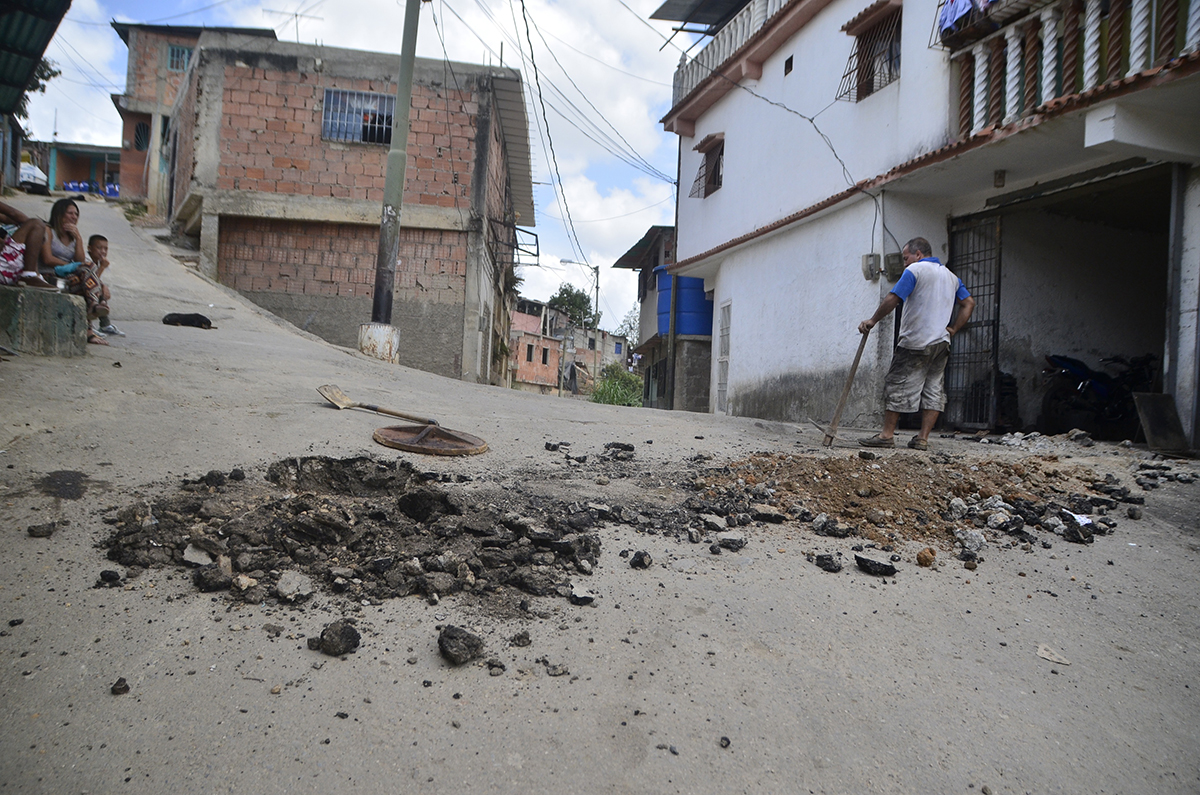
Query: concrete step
point(42, 322)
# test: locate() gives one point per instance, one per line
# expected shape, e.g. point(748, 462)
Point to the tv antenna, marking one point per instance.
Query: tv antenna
point(295, 15)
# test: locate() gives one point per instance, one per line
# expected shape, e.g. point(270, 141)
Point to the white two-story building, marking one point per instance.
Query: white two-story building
point(1047, 148)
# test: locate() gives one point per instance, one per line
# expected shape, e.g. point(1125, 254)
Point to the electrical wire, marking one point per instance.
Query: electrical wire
point(812, 121)
point(615, 217)
point(569, 46)
point(549, 138)
point(446, 66)
point(580, 121)
point(641, 159)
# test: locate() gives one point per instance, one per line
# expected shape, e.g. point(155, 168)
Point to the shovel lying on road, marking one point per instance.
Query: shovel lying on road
point(337, 397)
point(428, 438)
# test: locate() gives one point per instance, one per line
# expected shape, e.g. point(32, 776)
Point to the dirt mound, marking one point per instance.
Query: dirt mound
point(887, 497)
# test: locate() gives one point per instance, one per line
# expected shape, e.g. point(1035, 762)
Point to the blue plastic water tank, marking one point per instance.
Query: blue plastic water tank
point(693, 310)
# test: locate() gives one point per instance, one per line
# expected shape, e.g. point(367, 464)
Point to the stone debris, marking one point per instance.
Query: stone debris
point(640, 560)
point(875, 567)
point(43, 530)
point(293, 586)
point(337, 638)
point(210, 578)
point(580, 596)
point(926, 557)
point(521, 639)
point(458, 645)
point(828, 563)
point(731, 541)
point(120, 687)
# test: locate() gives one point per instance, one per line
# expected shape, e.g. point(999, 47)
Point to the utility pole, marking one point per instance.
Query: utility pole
point(595, 317)
point(393, 197)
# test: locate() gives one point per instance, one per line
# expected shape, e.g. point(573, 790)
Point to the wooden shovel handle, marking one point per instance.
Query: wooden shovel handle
point(837, 414)
point(400, 414)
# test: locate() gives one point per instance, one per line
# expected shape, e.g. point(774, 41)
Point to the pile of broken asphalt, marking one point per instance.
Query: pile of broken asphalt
point(364, 529)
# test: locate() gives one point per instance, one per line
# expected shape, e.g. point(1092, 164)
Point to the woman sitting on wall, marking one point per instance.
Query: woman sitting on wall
point(63, 257)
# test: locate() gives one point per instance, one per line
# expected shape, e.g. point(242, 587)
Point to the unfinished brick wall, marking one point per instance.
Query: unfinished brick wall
point(184, 134)
point(534, 372)
point(133, 162)
point(271, 140)
point(266, 255)
point(148, 77)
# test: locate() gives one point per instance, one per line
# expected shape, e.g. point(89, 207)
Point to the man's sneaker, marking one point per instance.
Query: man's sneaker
point(877, 441)
point(109, 330)
point(917, 443)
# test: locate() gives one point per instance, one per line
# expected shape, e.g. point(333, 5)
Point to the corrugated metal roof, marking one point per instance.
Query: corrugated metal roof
point(26, 28)
point(699, 12)
point(510, 99)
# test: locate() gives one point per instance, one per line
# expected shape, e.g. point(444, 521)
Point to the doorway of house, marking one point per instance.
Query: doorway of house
point(973, 371)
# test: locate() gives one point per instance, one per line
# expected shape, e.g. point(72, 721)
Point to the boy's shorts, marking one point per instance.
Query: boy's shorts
point(917, 379)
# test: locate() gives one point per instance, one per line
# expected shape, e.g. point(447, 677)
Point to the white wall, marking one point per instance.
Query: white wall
point(794, 318)
point(1077, 289)
point(776, 163)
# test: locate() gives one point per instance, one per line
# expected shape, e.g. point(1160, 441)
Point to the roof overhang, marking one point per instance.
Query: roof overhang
point(26, 28)
point(712, 14)
point(510, 100)
point(638, 256)
point(190, 31)
point(745, 63)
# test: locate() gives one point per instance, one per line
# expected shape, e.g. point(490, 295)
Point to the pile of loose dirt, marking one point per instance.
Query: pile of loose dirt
point(888, 497)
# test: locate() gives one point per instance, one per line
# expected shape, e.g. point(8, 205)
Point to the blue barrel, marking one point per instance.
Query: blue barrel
point(693, 310)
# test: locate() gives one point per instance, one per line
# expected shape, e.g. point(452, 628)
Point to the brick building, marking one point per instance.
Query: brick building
point(537, 346)
point(279, 154)
point(158, 59)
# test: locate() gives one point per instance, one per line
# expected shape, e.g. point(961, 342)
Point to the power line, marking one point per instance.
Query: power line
point(641, 159)
point(812, 120)
point(549, 138)
point(568, 45)
point(615, 217)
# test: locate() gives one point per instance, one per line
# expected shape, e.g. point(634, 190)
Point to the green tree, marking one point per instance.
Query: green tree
point(45, 72)
point(576, 303)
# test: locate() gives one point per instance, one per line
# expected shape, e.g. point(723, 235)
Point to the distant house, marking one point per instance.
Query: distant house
point(537, 346)
point(77, 166)
point(277, 160)
point(675, 357)
point(158, 58)
point(1047, 149)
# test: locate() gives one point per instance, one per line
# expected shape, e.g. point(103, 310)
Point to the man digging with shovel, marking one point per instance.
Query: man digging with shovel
point(916, 378)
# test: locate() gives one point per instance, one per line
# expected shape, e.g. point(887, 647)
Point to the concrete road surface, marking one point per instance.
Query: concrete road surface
point(928, 682)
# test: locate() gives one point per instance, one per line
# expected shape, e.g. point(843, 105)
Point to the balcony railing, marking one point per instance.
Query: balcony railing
point(728, 40)
point(1064, 48)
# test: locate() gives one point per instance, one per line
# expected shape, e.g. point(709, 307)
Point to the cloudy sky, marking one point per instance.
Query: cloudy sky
point(600, 66)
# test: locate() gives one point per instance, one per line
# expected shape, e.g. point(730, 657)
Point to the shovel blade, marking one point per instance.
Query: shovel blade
point(336, 396)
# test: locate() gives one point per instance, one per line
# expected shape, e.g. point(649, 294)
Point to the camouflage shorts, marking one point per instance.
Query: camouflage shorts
point(916, 379)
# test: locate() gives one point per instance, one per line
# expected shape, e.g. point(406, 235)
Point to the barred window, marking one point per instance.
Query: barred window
point(712, 168)
point(875, 60)
point(357, 116)
point(178, 57)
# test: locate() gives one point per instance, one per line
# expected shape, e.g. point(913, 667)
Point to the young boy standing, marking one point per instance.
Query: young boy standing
point(97, 250)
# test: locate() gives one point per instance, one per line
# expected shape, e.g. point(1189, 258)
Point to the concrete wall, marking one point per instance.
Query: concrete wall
point(776, 163)
point(320, 276)
point(1078, 289)
point(42, 323)
point(797, 299)
point(1185, 385)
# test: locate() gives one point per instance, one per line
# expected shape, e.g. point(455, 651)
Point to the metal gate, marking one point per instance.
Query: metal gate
point(973, 372)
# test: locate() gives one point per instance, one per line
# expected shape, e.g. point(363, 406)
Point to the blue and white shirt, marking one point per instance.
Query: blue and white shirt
point(929, 291)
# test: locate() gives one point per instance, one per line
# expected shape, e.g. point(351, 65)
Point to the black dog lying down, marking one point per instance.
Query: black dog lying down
point(195, 319)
